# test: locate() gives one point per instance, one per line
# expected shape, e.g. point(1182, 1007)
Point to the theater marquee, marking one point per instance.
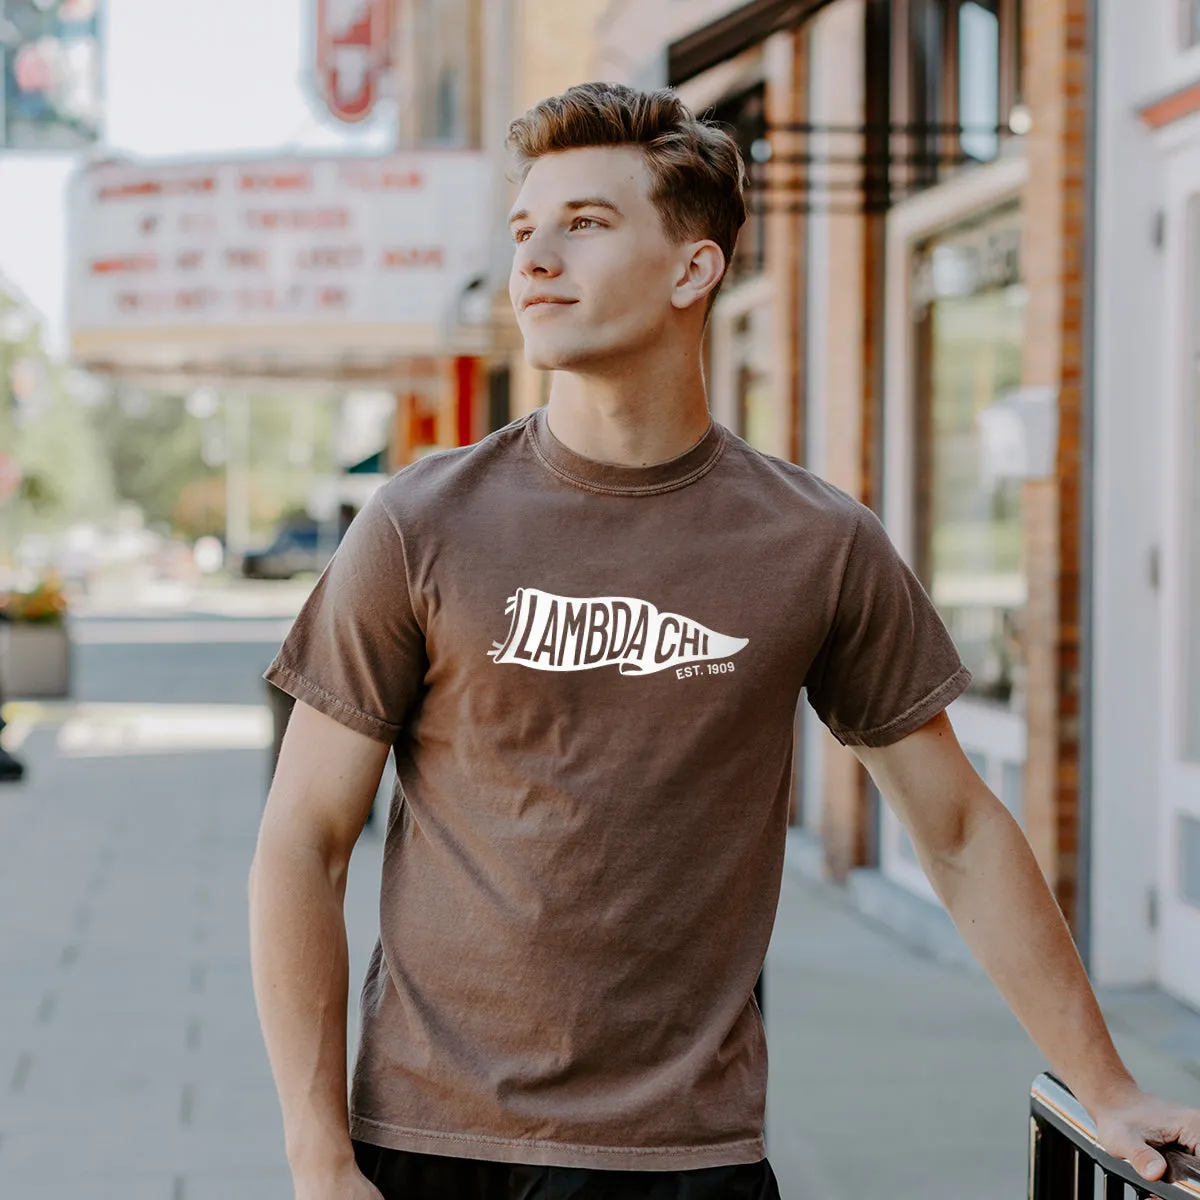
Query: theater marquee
point(320, 267)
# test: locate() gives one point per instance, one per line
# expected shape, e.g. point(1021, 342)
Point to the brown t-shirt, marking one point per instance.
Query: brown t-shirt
point(589, 674)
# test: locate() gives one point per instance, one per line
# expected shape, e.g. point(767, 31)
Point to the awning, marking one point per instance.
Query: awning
point(374, 464)
point(736, 31)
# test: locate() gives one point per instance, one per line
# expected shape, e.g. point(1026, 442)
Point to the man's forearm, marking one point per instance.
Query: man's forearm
point(301, 979)
point(999, 900)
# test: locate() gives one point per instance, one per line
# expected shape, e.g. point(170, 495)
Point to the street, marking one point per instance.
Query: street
point(131, 1064)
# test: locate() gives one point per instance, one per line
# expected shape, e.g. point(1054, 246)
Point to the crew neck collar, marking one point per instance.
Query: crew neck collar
point(616, 479)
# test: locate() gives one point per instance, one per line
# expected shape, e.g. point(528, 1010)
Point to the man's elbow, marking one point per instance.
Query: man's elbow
point(299, 852)
point(977, 814)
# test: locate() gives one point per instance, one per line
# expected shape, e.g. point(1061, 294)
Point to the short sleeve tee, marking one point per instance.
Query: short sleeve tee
point(589, 675)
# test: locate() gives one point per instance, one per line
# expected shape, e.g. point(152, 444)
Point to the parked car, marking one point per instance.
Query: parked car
point(297, 548)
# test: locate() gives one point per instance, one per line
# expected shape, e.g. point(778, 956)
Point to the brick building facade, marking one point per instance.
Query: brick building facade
point(938, 306)
point(885, 152)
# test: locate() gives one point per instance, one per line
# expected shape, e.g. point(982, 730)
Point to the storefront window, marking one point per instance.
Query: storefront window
point(964, 78)
point(927, 73)
point(752, 380)
point(979, 78)
point(970, 319)
point(446, 54)
point(744, 116)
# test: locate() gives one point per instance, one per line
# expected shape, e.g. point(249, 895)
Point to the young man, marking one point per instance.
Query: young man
point(584, 640)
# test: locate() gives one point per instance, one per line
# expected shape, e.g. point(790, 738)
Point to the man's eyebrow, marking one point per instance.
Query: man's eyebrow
point(593, 202)
point(522, 214)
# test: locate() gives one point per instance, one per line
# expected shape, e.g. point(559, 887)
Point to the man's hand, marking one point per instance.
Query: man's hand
point(1133, 1124)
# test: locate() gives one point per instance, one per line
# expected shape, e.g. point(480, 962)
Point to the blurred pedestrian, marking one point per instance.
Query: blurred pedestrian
point(583, 640)
point(345, 517)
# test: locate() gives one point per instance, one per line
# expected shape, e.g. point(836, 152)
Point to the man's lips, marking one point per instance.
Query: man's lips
point(532, 301)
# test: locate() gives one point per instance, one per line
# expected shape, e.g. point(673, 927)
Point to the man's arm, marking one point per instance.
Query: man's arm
point(318, 804)
point(982, 867)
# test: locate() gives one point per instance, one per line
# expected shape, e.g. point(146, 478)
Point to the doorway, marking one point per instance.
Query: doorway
point(1179, 825)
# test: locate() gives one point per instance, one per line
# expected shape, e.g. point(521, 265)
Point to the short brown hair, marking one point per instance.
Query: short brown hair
point(698, 176)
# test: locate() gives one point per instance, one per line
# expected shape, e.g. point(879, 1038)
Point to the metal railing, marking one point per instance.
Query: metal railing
point(1066, 1162)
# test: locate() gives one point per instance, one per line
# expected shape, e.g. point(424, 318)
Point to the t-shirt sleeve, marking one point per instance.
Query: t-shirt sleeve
point(356, 651)
point(888, 664)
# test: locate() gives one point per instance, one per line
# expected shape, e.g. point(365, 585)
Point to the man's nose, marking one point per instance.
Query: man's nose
point(536, 258)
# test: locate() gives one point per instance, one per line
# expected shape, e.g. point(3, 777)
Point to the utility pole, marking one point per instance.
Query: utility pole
point(237, 477)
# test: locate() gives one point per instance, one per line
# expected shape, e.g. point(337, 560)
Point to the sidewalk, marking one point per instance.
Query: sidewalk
point(131, 1066)
point(896, 1075)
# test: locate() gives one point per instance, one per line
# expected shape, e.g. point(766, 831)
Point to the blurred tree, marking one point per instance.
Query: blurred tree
point(291, 444)
point(83, 445)
point(43, 423)
point(67, 475)
point(200, 506)
point(168, 455)
point(154, 449)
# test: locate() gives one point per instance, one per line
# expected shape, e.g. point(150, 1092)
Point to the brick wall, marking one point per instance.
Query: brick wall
point(1056, 58)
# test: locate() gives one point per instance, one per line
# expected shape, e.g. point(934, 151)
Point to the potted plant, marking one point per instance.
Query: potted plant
point(35, 644)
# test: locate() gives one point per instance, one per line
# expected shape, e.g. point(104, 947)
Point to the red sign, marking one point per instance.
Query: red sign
point(353, 44)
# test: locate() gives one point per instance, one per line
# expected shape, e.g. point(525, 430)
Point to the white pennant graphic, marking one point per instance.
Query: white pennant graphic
point(570, 633)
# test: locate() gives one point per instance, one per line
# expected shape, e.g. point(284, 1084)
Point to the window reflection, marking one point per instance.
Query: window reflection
point(979, 78)
point(973, 448)
point(752, 358)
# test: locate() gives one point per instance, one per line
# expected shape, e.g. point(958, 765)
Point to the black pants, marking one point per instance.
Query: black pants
point(400, 1175)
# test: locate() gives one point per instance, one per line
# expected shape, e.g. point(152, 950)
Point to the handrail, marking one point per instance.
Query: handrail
point(1065, 1153)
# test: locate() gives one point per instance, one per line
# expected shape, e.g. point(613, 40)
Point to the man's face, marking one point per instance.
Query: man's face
point(594, 272)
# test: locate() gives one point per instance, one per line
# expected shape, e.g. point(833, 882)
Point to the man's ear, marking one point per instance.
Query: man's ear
point(702, 271)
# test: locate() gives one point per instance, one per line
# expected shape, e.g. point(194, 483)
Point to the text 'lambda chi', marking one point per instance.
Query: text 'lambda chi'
point(567, 633)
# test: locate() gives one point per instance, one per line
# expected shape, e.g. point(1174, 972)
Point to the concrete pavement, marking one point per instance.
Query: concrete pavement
point(887, 1065)
point(131, 1063)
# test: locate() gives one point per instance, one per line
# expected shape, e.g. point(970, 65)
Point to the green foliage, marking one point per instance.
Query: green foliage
point(154, 450)
point(171, 463)
point(65, 475)
point(84, 449)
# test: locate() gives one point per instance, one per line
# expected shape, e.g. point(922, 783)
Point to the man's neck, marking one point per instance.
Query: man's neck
point(632, 422)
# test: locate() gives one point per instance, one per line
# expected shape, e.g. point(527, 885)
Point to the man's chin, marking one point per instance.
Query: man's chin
point(554, 358)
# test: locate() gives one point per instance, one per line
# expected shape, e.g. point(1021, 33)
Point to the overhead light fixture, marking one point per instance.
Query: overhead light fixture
point(1020, 120)
point(761, 150)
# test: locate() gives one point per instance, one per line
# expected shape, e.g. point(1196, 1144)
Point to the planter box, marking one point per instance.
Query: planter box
point(35, 660)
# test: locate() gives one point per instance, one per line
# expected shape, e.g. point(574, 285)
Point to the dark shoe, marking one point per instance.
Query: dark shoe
point(12, 770)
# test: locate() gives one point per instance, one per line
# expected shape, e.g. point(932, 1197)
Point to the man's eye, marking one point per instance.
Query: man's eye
point(581, 221)
point(521, 235)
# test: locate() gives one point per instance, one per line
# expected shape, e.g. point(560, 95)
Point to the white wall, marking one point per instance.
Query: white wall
point(1130, 400)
